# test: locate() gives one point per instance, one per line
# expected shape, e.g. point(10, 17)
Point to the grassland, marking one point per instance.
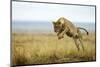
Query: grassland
point(46, 48)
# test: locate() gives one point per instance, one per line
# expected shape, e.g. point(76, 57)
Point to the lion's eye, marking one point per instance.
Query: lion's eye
point(56, 26)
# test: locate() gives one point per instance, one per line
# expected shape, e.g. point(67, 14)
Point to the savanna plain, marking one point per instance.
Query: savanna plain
point(30, 48)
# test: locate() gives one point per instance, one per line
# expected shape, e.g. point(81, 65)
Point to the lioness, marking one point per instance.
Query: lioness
point(63, 26)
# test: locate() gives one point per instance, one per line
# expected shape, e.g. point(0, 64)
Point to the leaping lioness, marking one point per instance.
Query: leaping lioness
point(63, 26)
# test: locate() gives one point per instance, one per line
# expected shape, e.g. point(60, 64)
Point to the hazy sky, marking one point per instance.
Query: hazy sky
point(23, 11)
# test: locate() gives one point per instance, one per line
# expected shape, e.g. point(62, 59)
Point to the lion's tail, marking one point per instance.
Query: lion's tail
point(84, 30)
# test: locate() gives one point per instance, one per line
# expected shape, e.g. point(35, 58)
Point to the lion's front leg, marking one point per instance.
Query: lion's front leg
point(61, 33)
point(60, 36)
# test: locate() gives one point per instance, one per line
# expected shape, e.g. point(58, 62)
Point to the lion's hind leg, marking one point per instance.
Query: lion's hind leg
point(76, 43)
point(81, 43)
point(80, 39)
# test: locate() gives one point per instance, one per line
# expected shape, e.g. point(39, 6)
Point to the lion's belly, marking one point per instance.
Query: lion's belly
point(69, 34)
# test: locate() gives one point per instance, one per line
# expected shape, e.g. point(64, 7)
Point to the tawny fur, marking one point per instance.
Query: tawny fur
point(63, 26)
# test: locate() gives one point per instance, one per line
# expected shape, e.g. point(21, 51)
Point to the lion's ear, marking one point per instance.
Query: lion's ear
point(53, 22)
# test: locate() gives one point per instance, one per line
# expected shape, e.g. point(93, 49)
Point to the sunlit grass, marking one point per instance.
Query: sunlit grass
point(43, 48)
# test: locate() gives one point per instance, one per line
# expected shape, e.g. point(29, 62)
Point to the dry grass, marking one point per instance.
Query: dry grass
point(43, 48)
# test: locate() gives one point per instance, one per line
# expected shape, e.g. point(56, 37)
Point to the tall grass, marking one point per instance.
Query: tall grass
point(46, 48)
